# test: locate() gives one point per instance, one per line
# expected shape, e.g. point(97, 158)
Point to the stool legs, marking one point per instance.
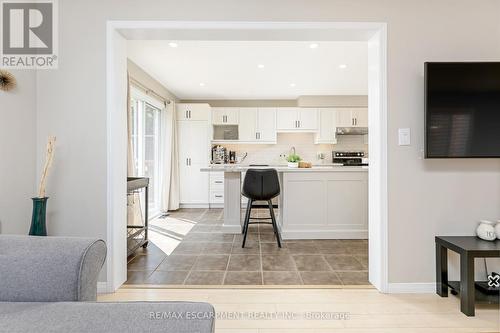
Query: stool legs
point(247, 221)
point(273, 219)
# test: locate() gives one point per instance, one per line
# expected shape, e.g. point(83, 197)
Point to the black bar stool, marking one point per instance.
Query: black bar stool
point(261, 185)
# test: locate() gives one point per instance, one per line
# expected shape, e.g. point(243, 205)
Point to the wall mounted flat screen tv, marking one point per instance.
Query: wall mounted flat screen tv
point(462, 110)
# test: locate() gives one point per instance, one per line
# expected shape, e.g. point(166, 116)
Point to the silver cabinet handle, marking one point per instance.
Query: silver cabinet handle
point(299, 123)
point(189, 114)
point(256, 136)
point(218, 196)
point(219, 182)
point(187, 117)
point(190, 161)
point(187, 161)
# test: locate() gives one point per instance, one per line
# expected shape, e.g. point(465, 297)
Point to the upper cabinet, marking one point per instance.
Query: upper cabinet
point(193, 111)
point(225, 116)
point(327, 126)
point(257, 125)
point(297, 119)
point(352, 117)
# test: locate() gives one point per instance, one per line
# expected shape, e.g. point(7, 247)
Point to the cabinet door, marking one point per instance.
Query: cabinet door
point(344, 118)
point(193, 155)
point(198, 184)
point(360, 116)
point(218, 116)
point(287, 118)
point(232, 116)
point(308, 119)
point(327, 126)
point(248, 123)
point(266, 127)
point(182, 112)
point(199, 147)
point(190, 111)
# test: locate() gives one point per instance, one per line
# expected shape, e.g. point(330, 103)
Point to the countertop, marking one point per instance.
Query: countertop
point(284, 168)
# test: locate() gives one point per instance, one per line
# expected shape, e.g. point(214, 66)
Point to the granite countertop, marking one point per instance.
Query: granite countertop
point(284, 168)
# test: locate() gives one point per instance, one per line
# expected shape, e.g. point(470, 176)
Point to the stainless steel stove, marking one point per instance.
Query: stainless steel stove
point(349, 158)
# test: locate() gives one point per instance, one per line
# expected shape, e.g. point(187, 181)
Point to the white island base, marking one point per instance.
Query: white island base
point(315, 203)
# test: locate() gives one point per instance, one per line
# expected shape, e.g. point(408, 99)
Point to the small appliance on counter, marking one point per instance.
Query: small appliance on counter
point(220, 155)
point(349, 158)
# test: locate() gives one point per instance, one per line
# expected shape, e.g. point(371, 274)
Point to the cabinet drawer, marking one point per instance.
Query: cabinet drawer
point(216, 196)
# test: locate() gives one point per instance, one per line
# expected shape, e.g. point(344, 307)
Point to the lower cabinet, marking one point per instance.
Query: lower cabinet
point(326, 205)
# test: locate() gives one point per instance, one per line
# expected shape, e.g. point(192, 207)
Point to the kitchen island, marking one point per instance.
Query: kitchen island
point(322, 202)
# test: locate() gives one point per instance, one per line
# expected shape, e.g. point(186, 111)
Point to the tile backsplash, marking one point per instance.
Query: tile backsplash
point(304, 146)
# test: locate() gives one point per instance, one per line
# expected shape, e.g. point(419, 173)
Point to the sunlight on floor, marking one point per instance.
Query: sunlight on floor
point(167, 233)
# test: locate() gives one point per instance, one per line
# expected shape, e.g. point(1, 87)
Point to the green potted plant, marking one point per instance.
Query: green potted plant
point(293, 160)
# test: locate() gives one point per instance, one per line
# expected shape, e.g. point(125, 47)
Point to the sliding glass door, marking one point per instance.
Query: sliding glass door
point(147, 145)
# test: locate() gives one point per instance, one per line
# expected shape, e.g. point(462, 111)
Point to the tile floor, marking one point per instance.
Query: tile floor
point(188, 248)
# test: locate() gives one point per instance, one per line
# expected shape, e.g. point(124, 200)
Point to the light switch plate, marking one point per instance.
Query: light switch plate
point(404, 137)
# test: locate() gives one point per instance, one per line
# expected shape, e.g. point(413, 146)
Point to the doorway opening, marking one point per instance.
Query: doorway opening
point(372, 33)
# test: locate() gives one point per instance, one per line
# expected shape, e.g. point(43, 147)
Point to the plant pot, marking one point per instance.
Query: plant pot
point(38, 225)
point(293, 164)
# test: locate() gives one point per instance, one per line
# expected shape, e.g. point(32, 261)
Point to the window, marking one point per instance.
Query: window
point(146, 144)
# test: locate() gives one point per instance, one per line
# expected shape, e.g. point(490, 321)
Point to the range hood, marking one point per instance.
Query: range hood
point(352, 130)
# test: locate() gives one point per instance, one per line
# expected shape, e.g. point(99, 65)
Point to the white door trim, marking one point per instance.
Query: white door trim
point(374, 32)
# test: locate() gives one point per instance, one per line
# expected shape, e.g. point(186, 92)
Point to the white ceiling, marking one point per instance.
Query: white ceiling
point(229, 69)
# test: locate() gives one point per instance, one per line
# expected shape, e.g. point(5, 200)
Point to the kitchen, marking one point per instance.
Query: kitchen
point(328, 200)
point(296, 107)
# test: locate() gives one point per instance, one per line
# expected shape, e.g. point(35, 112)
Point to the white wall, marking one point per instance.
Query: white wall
point(425, 197)
point(17, 151)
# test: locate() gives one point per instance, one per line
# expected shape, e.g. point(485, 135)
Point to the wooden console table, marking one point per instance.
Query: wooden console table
point(469, 248)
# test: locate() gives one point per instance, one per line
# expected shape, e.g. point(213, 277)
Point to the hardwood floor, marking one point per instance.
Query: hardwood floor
point(365, 310)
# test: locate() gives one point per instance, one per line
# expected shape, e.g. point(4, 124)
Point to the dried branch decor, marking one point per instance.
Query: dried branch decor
point(48, 163)
point(7, 81)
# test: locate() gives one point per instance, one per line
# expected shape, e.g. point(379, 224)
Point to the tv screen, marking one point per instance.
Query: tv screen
point(462, 109)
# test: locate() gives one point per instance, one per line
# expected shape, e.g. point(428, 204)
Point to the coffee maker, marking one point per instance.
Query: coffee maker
point(219, 154)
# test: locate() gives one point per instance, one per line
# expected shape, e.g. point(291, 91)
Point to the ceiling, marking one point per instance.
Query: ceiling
point(230, 69)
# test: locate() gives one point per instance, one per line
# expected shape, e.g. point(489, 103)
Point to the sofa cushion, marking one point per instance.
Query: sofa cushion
point(175, 317)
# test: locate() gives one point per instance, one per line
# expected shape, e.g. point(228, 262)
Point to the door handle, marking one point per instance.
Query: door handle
point(187, 161)
point(189, 114)
point(299, 123)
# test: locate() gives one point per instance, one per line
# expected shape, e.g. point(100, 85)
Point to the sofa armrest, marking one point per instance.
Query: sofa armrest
point(49, 269)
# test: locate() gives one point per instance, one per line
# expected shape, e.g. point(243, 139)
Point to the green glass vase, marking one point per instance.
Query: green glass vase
point(38, 223)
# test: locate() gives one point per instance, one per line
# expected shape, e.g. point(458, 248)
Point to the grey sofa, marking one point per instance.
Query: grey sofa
point(49, 284)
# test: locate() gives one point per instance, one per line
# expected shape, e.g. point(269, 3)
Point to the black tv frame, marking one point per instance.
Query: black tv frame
point(426, 150)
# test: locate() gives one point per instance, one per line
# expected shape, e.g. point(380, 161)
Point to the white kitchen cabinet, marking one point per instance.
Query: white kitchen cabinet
point(257, 125)
point(225, 116)
point(193, 111)
point(327, 126)
point(352, 117)
point(328, 205)
point(361, 117)
point(194, 151)
point(248, 124)
point(297, 119)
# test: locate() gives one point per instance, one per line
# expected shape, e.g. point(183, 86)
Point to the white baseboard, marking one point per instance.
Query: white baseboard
point(203, 205)
point(323, 234)
point(411, 288)
point(102, 288)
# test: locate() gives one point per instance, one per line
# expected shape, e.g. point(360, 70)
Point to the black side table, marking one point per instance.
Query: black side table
point(469, 248)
